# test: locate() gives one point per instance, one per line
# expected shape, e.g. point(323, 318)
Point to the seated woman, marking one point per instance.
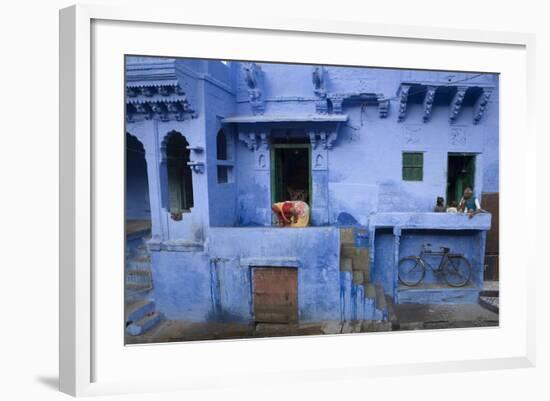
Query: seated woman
point(291, 213)
point(469, 203)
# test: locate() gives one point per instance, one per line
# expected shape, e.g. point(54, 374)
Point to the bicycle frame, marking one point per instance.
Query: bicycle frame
point(444, 256)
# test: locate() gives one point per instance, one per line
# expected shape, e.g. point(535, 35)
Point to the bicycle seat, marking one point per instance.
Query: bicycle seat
point(445, 249)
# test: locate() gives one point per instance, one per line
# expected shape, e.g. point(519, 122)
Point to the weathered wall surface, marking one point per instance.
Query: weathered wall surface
point(356, 169)
point(216, 284)
point(314, 251)
point(365, 163)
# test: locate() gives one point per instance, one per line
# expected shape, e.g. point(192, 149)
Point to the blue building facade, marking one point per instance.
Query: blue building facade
point(211, 145)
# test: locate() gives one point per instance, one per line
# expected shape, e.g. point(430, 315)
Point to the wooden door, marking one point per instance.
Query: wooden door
point(275, 294)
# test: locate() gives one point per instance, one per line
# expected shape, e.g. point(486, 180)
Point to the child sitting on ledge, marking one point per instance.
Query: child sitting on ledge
point(453, 207)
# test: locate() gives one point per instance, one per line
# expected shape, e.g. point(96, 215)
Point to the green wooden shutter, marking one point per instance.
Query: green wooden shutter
point(413, 166)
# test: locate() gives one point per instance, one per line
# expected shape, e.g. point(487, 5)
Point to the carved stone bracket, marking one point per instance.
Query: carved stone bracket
point(255, 141)
point(337, 101)
point(318, 79)
point(456, 103)
point(322, 139)
point(253, 80)
point(319, 152)
point(481, 105)
point(428, 102)
point(403, 98)
point(383, 106)
point(259, 144)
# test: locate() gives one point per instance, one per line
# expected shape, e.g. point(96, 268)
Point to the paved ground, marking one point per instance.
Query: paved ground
point(407, 317)
point(417, 317)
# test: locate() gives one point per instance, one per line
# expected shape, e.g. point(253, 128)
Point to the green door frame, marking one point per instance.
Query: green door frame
point(471, 173)
point(274, 172)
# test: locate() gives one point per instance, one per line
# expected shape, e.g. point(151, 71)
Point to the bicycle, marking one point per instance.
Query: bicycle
point(453, 266)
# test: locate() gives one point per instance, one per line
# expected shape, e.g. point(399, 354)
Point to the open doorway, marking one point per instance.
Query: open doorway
point(138, 211)
point(291, 172)
point(460, 175)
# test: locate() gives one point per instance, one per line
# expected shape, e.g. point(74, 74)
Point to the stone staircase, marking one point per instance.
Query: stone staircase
point(140, 311)
point(365, 306)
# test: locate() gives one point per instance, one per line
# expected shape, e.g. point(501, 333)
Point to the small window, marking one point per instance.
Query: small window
point(223, 174)
point(224, 156)
point(413, 166)
point(221, 146)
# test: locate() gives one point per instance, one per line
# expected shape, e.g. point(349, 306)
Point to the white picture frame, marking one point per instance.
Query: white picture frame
point(82, 345)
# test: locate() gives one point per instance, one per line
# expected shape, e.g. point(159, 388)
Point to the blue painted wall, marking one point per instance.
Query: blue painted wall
point(357, 170)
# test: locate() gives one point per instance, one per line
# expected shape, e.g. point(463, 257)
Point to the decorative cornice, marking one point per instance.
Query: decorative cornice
point(153, 91)
point(428, 102)
point(403, 98)
point(481, 104)
point(456, 103)
point(164, 109)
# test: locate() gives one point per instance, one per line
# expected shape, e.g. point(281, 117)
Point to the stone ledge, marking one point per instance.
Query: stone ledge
point(175, 246)
point(270, 261)
point(434, 221)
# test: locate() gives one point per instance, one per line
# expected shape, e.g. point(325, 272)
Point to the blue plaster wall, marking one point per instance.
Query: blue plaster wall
point(216, 284)
point(317, 251)
point(363, 177)
point(365, 165)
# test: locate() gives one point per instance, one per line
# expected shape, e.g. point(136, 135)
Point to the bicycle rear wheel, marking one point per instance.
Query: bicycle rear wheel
point(411, 271)
point(457, 271)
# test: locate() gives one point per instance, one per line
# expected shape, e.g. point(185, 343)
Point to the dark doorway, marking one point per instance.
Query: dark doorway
point(291, 173)
point(460, 175)
point(180, 179)
point(275, 295)
point(137, 185)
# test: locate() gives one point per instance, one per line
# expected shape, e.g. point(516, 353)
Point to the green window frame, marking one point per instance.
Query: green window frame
point(413, 166)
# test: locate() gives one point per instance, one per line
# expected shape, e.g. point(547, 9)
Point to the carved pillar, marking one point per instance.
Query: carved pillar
point(428, 102)
point(456, 103)
point(319, 177)
point(403, 98)
point(262, 153)
point(481, 104)
point(258, 142)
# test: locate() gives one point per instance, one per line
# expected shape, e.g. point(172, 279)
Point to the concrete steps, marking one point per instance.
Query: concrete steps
point(147, 322)
point(346, 265)
point(365, 307)
point(140, 312)
point(489, 299)
point(137, 309)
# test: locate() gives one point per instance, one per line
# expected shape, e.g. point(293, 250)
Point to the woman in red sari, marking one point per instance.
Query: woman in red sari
point(291, 213)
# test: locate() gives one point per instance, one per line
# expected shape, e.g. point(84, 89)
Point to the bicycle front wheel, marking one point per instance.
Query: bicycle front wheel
point(457, 271)
point(411, 271)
